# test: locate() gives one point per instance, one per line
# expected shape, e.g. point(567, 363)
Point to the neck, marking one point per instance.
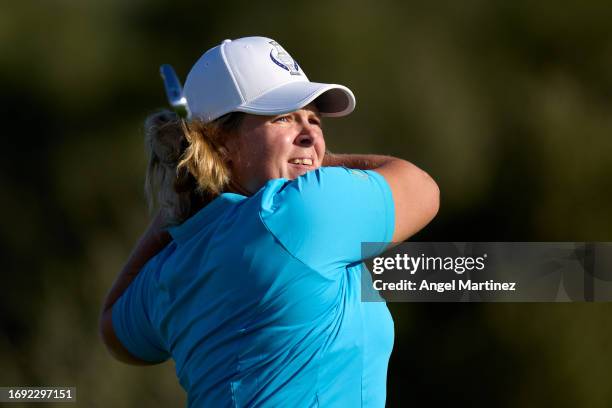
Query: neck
point(237, 188)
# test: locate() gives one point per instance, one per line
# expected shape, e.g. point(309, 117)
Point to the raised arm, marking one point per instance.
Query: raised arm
point(415, 194)
point(152, 241)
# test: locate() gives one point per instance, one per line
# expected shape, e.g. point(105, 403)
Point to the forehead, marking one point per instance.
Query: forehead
point(312, 107)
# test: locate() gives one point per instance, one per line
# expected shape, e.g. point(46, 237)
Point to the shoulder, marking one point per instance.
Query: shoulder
point(322, 216)
point(323, 187)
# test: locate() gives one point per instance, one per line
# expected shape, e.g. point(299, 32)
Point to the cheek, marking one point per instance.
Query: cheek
point(261, 156)
point(276, 147)
point(321, 147)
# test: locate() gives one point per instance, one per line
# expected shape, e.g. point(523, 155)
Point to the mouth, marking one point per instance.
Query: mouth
point(302, 161)
point(301, 165)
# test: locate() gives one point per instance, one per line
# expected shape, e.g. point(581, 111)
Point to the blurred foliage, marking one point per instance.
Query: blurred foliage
point(506, 104)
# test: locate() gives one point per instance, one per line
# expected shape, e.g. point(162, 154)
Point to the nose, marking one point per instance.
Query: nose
point(305, 139)
point(307, 136)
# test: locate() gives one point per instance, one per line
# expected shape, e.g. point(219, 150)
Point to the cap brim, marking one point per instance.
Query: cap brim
point(330, 99)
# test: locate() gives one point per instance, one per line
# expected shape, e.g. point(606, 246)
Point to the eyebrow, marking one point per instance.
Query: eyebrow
point(313, 112)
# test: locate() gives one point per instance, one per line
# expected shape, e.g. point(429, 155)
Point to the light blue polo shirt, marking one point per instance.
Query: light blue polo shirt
point(257, 299)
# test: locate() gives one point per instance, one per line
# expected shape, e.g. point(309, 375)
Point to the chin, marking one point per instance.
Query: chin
point(294, 171)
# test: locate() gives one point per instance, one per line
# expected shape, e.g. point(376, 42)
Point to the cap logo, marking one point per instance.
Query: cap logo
point(280, 57)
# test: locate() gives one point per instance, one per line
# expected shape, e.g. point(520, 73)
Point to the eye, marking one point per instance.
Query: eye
point(285, 118)
point(315, 121)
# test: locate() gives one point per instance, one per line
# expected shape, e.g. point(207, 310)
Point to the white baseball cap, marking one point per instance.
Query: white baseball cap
point(256, 75)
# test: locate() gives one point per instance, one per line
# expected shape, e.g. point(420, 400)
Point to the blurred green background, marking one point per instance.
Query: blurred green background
point(507, 104)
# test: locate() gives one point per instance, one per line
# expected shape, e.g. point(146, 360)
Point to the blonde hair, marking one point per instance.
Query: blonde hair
point(187, 165)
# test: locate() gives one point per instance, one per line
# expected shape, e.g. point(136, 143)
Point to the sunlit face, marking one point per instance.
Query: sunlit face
point(282, 146)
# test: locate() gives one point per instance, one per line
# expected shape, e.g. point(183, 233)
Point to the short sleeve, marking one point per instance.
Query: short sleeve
point(322, 217)
point(131, 319)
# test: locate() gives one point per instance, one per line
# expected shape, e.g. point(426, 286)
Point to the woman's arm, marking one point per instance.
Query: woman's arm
point(415, 194)
point(356, 161)
point(152, 241)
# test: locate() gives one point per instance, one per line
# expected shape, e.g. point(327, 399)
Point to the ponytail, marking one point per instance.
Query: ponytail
point(187, 163)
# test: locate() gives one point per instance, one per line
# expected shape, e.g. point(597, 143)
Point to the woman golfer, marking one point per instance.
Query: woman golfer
point(249, 276)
